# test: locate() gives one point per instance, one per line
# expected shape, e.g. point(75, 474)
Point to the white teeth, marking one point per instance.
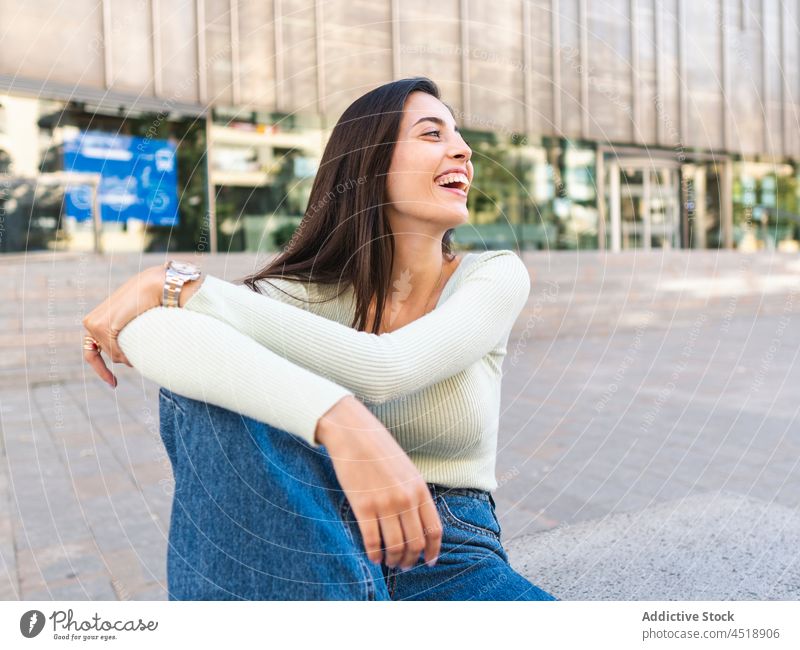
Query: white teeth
point(452, 178)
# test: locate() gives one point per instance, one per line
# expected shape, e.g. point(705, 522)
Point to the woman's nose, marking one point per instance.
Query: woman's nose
point(463, 151)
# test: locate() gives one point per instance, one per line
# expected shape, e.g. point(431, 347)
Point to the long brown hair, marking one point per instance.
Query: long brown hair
point(344, 236)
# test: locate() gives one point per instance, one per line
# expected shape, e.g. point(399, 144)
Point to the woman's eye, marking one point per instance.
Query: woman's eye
point(436, 133)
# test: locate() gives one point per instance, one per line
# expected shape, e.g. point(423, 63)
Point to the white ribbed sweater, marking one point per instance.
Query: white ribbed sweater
point(286, 360)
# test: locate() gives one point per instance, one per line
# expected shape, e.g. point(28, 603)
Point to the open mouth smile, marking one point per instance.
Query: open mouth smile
point(455, 183)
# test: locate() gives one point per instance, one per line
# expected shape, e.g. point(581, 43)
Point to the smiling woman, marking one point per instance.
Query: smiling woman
point(402, 219)
point(374, 345)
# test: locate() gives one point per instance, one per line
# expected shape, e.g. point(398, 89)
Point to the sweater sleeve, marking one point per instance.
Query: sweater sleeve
point(203, 358)
point(378, 368)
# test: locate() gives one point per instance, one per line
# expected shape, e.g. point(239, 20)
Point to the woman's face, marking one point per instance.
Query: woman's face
point(428, 144)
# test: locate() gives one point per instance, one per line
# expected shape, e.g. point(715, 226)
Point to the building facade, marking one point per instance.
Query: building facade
point(610, 124)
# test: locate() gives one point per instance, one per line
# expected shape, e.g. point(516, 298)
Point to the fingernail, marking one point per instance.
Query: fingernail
point(430, 563)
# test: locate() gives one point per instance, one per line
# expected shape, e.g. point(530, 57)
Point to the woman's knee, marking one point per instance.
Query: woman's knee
point(216, 444)
point(251, 501)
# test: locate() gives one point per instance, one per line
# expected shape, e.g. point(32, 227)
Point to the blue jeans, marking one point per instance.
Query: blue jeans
point(258, 514)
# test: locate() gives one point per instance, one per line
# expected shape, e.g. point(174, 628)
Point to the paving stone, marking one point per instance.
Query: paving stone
point(87, 587)
point(61, 561)
point(150, 591)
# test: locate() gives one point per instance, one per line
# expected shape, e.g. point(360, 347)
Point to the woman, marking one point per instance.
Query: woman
point(375, 346)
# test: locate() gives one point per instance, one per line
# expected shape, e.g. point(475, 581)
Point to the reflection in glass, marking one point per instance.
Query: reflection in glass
point(701, 187)
point(499, 194)
point(576, 202)
point(33, 181)
point(663, 208)
point(766, 206)
point(263, 166)
point(646, 196)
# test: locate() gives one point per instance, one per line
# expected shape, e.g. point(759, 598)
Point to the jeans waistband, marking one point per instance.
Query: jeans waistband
point(483, 495)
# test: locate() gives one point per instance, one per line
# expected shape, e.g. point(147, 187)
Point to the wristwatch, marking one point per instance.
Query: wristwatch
point(178, 273)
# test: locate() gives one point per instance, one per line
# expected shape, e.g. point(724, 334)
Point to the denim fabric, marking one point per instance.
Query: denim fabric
point(258, 514)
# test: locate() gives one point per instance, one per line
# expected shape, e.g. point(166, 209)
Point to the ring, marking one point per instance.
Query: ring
point(90, 343)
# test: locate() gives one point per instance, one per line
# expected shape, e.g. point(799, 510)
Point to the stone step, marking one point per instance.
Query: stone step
point(713, 546)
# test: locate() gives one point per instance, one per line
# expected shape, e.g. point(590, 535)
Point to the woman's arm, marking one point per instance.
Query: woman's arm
point(142, 292)
point(378, 368)
point(201, 357)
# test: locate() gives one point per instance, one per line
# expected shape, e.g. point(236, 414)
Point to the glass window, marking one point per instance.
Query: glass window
point(766, 206)
point(575, 205)
point(263, 167)
point(702, 199)
point(49, 200)
point(530, 194)
point(502, 201)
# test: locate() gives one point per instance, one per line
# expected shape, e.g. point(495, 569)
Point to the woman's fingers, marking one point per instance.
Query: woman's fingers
point(104, 323)
point(106, 337)
point(371, 534)
point(407, 516)
point(393, 539)
point(404, 535)
point(432, 527)
point(415, 538)
point(103, 333)
point(116, 353)
point(138, 294)
point(95, 360)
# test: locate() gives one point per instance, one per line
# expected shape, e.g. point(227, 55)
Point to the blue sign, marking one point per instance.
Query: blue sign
point(138, 178)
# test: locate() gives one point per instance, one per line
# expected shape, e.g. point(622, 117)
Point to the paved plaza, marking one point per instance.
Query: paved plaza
point(649, 435)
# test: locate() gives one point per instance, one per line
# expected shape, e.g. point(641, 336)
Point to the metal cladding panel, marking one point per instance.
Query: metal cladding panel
point(704, 127)
point(357, 51)
point(299, 54)
point(430, 46)
point(178, 40)
point(569, 54)
point(608, 71)
point(256, 54)
point(496, 66)
point(54, 41)
point(540, 72)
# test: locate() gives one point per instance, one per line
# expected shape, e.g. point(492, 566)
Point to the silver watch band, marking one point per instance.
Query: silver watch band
point(172, 289)
point(177, 274)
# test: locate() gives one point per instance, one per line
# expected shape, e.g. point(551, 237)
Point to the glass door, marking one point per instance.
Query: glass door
point(632, 206)
point(702, 197)
point(664, 212)
point(644, 205)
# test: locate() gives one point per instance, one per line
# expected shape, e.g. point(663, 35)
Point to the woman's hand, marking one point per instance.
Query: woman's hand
point(386, 492)
point(104, 322)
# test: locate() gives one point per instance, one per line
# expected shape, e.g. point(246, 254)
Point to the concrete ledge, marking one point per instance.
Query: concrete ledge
point(714, 546)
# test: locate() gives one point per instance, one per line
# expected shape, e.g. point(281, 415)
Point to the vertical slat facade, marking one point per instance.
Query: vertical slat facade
point(715, 76)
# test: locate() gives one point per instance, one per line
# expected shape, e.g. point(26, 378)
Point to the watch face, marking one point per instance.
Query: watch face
point(185, 268)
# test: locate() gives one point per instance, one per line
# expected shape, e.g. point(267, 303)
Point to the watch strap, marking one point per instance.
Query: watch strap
point(174, 280)
point(173, 283)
